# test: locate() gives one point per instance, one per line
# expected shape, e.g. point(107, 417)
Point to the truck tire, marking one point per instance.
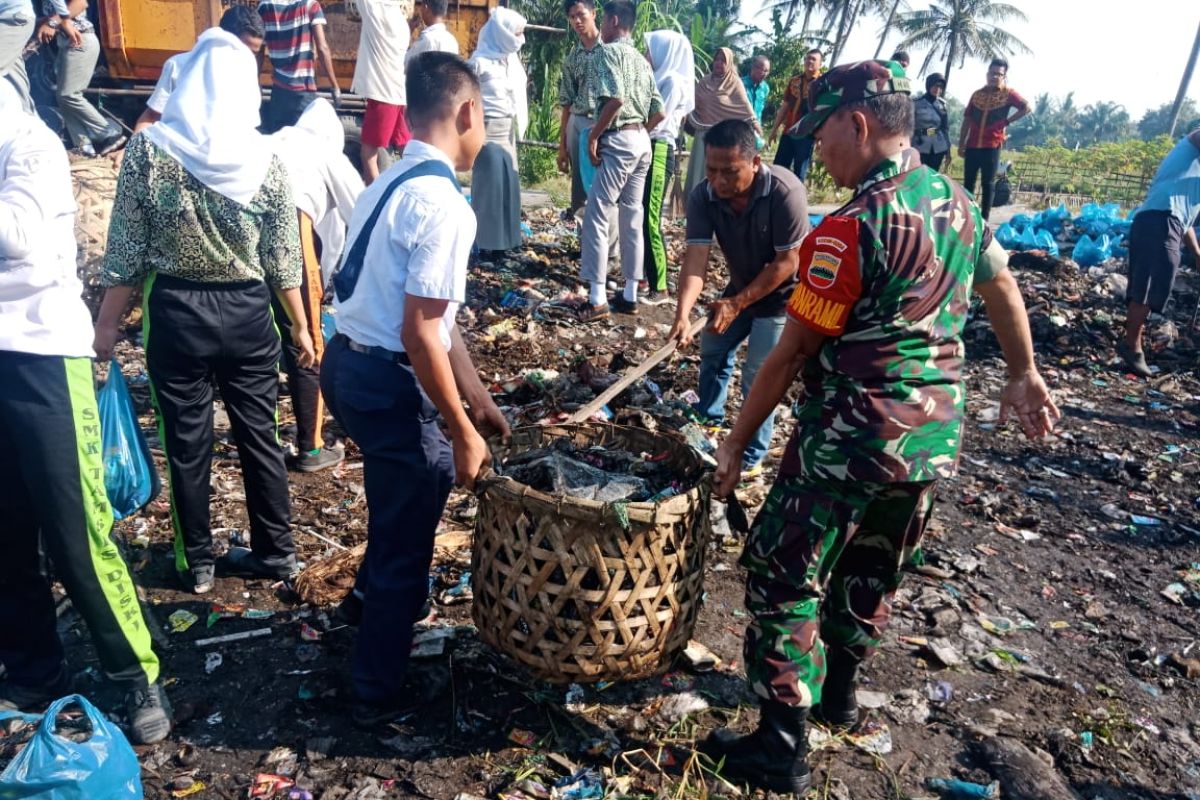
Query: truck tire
point(353, 126)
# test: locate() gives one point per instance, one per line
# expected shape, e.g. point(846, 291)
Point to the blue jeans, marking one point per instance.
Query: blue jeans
point(796, 154)
point(716, 368)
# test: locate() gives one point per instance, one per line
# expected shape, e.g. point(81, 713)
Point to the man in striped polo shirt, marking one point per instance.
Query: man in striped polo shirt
point(295, 29)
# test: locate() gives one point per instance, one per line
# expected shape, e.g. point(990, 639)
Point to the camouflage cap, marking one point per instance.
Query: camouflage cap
point(846, 84)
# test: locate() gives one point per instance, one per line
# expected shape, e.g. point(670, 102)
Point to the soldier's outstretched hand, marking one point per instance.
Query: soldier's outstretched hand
point(1027, 397)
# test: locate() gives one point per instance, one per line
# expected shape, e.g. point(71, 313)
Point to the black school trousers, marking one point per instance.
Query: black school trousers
point(201, 335)
point(52, 489)
point(408, 470)
point(981, 162)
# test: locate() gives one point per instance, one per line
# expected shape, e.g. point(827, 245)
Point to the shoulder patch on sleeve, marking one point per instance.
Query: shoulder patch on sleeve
point(830, 278)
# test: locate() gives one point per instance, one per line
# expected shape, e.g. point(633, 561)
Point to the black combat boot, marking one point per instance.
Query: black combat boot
point(773, 757)
point(838, 709)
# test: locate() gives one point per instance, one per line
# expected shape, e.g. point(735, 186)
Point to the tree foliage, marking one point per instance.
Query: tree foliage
point(960, 29)
point(1157, 121)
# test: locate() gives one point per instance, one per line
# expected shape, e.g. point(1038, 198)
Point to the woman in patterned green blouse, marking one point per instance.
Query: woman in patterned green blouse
point(205, 222)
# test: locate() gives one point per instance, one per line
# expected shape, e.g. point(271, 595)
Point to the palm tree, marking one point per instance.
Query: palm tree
point(887, 26)
point(1105, 122)
point(961, 29)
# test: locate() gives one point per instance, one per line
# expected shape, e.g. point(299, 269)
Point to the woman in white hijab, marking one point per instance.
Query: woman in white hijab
point(325, 186)
point(495, 187)
point(670, 54)
point(205, 222)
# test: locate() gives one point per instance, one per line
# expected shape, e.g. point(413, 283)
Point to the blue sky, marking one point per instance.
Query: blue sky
point(1132, 53)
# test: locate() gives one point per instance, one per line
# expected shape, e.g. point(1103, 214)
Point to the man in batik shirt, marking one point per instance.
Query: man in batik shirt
point(876, 321)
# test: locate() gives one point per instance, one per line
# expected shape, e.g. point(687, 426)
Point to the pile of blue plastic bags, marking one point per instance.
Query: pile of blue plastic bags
point(1095, 235)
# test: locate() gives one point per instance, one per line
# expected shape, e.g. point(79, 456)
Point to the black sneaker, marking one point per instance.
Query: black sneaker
point(33, 699)
point(112, 143)
point(422, 686)
point(591, 313)
point(149, 714)
point(654, 298)
point(243, 562)
point(324, 458)
point(200, 579)
point(350, 610)
point(622, 306)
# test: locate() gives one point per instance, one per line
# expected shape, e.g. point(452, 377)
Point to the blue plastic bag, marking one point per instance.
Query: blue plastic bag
point(1008, 237)
point(1027, 240)
point(1089, 252)
point(129, 474)
point(587, 172)
point(1021, 220)
point(1045, 241)
point(52, 767)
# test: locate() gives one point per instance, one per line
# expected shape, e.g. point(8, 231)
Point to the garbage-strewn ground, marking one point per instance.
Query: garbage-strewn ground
point(1058, 605)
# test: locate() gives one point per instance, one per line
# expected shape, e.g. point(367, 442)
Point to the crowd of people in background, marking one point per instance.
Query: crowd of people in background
point(234, 217)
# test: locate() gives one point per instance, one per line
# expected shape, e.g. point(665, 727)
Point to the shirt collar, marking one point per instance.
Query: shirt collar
point(437, 26)
point(417, 151)
point(905, 161)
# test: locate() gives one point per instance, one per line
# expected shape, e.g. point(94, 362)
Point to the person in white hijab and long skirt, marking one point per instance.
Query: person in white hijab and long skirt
point(205, 222)
point(495, 186)
point(326, 187)
point(670, 54)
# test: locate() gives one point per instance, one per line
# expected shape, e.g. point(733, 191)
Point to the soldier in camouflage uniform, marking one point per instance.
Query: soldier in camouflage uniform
point(876, 323)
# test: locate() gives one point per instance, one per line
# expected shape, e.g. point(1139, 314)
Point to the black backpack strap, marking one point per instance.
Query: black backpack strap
point(347, 275)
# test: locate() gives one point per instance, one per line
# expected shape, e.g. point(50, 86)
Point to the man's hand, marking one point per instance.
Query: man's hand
point(489, 420)
point(72, 33)
point(303, 340)
point(594, 149)
point(681, 331)
point(564, 161)
point(722, 313)
point(962, 151)
point(1027, 397)
point(471, 455)
point(729, 468)
point(45, 33)
point(105, 340)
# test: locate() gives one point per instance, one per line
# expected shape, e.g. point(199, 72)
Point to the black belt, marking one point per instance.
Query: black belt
point(382, 353)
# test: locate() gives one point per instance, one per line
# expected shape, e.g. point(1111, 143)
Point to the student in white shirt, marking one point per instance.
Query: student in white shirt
point(434, 35)
point(379, 77)
point(52, 475)
point(398, 362)
point(670, 55)
point(242, 21)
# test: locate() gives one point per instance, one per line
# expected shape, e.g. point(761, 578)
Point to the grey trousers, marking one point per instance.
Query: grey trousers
point(74, 69)
point(503, 131)
point(15, 31)
point(575, 124)
point(618, 186)
point(697, 166)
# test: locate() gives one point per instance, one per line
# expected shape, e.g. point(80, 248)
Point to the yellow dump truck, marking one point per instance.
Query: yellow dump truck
point(139, 35)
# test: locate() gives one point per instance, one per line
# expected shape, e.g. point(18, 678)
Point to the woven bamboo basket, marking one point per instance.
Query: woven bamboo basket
point(582, 591)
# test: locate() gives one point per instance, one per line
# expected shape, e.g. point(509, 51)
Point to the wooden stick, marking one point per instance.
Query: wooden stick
point(650, 363)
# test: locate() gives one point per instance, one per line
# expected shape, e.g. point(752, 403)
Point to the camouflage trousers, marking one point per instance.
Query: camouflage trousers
point(824, 560)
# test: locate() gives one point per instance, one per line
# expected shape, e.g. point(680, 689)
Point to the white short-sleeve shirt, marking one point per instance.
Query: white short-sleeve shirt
point(166, 82)
point(420, 246)
point(434, 38)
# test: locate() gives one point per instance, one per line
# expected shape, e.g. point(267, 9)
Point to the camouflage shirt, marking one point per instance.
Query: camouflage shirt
point(888, 278)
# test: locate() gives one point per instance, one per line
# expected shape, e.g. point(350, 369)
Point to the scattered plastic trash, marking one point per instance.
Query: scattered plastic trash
point(874, 737)
point(211, 662)
point(677, 706)
point(181, 620)
point(586, 784)
point(522, 737)
point(954, 789)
